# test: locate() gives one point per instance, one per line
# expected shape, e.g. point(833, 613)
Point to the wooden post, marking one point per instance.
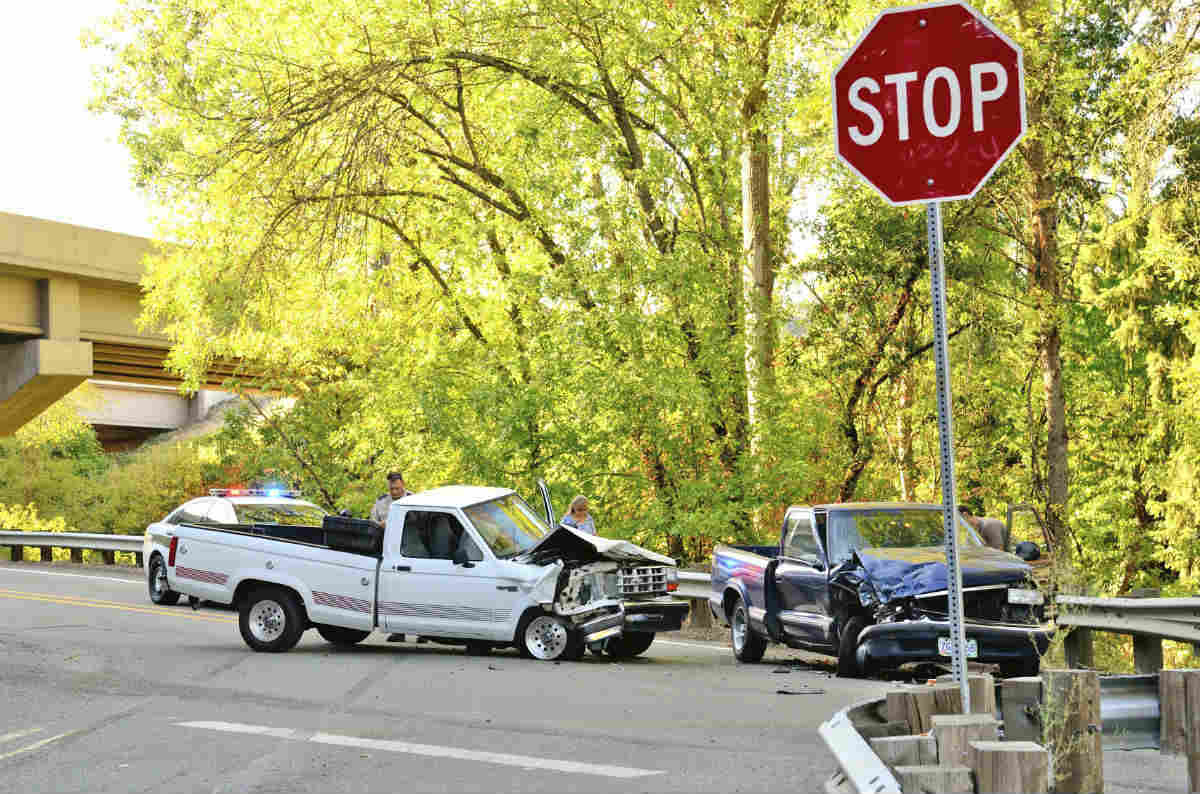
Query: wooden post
point(947, 699)
point(110, 557)
point(913, 705)
point(882, 729)
point(46, 553)
point(1172, 721)
point(983, 691)
point(906, 750)
point(138, 561)
point(1071, 720)
point(1005, 767)
point(1022, 705)
point(77, 555)
point(955, 732)
point(1079, 649)
point(1147, 651)
point(1192, 686)
point(1179, 700)
point(17, 554)
point(942, 779)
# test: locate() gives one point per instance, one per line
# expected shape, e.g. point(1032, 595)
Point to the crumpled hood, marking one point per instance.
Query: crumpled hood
point(569, 544)
point(901, 573)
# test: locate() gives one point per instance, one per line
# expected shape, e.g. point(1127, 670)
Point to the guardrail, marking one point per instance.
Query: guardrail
point(76, 541)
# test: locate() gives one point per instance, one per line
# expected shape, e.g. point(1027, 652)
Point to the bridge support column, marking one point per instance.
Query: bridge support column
point(36, 374)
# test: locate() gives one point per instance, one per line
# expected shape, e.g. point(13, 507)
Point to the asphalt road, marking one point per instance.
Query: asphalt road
point(100, 690)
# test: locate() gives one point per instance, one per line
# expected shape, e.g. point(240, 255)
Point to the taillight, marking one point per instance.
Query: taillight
point(171, 555)
point(672, 579)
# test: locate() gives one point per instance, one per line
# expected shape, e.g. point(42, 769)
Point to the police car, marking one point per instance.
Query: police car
point(222, 506)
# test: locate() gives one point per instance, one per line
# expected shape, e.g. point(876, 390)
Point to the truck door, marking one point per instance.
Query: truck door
point(423, 591)
point(801, 579)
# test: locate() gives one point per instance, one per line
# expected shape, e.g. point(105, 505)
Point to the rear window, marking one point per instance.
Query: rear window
point(280, 513)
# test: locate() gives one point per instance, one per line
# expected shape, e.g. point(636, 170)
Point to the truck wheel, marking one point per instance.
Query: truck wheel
point(270, 620)
point(629, 645)
point(847, 666)
point(550, 638)
point(748, 647)
point(156, 581)
point(340, 635)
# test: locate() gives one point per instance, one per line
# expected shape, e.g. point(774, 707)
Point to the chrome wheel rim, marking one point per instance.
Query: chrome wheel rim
point(739, 628)
point(546, 638)
point(159, 581)
point(267, 621)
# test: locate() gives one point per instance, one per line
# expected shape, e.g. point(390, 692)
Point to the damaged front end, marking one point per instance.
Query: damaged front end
point(607, 587)
point(904, 593)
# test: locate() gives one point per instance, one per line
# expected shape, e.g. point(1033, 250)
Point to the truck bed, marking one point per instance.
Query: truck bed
point(354, 536)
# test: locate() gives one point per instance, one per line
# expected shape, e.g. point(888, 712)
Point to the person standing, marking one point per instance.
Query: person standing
point(396, 490)
point(379, 511)
point(578, 516)
point(990, 529)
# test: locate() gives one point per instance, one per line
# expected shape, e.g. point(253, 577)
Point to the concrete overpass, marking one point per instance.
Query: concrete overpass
point(69, 300)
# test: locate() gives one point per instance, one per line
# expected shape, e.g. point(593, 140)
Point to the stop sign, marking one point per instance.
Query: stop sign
point(928, 102)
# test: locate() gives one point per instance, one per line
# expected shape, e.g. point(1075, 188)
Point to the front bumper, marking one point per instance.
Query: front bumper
point(886, 645)
point(660, 614)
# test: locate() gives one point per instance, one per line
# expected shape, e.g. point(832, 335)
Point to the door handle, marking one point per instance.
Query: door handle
point(512, 588)
point(403, 567)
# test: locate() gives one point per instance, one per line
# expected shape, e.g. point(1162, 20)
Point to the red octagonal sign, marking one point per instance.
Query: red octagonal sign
point(928, 102)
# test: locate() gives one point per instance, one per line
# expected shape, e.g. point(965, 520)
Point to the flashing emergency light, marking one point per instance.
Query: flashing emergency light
point(275, 493)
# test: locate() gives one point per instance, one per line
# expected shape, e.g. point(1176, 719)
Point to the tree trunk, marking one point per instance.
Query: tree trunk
point(1047, 285)
point(760, 266)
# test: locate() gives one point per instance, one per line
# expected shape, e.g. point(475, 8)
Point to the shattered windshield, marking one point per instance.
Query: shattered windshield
point(888, 529)
point(508, 525)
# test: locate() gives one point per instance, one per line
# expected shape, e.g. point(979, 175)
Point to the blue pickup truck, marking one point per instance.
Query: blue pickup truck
point(867, 582)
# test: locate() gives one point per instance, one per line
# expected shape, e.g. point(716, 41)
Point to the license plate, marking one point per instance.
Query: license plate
point(946, 648)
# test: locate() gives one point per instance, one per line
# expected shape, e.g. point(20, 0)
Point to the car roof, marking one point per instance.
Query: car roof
point(459, 496)
point(259, 500)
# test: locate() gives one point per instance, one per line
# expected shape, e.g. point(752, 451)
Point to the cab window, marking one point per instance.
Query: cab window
point(799, 542)
point(191, 513)
point(435, 536)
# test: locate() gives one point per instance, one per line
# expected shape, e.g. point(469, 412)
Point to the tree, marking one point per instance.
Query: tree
point(541, 204)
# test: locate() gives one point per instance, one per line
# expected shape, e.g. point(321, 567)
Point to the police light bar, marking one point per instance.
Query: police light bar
point(274, 492)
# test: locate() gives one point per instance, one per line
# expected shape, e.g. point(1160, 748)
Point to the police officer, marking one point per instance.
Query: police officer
point(379, 512)
point(396, 490)
point(990, 529)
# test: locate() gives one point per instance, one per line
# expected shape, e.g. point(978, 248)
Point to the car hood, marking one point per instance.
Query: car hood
point(903, 573)
point(570, 545)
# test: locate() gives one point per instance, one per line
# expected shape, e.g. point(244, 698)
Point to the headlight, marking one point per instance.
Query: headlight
point(1031, 597)
point(672, 579)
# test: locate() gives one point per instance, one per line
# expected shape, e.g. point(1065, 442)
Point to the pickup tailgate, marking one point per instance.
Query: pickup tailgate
point(336, 587)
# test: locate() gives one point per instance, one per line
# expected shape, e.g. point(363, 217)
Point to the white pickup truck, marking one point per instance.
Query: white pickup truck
point(461, 565)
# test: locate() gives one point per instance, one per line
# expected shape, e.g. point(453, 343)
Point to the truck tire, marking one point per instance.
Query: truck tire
point(270, 620)
point(847, 666)
point(748, 647)
point(549, 638)
point(340, 635)
point(629, 645)
point(156, 583)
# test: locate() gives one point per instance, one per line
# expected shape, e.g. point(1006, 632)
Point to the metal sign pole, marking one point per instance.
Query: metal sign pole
point(937, 288)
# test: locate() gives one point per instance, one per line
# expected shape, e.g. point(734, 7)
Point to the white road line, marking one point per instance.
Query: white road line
point(505, 759)
point(31, 747)
point(138, 582)
point(8, 737)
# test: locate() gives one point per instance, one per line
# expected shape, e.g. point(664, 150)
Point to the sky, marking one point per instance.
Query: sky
point(57, 160)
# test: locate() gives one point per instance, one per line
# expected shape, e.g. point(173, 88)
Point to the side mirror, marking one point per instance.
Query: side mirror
point(1028, 551)
point(460, 558)
point(344, 513)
